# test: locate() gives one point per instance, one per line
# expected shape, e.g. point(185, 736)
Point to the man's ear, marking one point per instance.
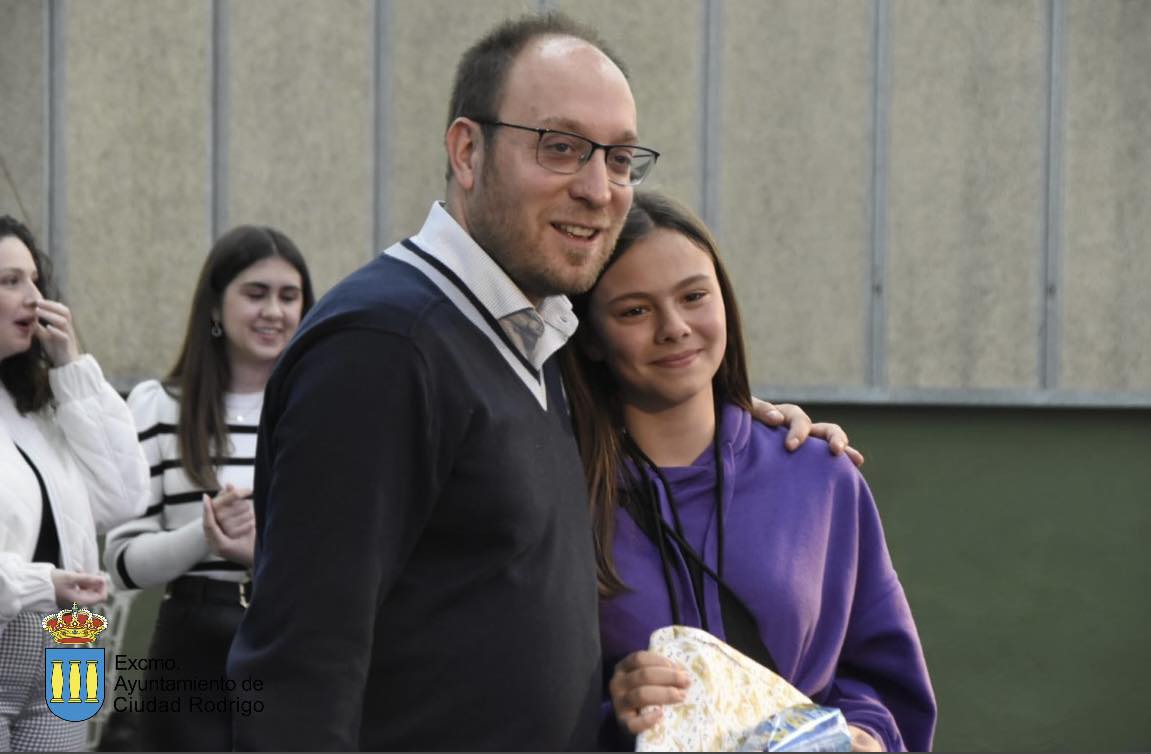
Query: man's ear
point(464, 143)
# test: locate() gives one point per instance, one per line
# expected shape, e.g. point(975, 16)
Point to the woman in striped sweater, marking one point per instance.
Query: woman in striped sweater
point(198, 431)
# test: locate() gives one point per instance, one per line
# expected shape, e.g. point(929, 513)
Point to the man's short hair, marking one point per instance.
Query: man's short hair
point(483, 68)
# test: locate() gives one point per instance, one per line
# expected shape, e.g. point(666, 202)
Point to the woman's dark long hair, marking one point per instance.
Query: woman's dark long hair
point(25, 375)
point(202, 372)
point(594, 392)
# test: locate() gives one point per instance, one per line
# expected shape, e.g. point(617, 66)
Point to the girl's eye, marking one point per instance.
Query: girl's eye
point(695, 296)
point(9, 280)
point(635, 311)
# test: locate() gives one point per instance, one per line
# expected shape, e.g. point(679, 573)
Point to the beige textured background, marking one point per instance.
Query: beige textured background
point(23, 142)
point(795, 163)
point(300, 130)
point(966, 194)
point(135, 194)
point(314, 142)
point(1107, 268)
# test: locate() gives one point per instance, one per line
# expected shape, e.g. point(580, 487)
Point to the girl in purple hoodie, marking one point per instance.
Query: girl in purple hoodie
point(703, 518)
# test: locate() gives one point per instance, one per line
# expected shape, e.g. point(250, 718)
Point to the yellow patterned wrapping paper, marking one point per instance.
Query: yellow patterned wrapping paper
point(729, 694)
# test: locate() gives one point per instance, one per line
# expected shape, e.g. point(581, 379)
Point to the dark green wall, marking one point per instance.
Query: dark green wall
point(1019, 535)
point(1021, 538)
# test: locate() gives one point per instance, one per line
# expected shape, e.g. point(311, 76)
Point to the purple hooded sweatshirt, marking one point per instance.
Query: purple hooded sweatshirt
point(804, 550)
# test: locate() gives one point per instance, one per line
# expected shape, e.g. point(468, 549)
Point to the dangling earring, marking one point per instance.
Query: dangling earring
point(216, 331)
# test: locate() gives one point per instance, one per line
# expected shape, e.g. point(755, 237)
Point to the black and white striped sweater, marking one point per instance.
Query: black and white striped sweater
point(168, 540)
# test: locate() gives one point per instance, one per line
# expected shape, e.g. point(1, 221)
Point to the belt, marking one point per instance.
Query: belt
point(204, 589)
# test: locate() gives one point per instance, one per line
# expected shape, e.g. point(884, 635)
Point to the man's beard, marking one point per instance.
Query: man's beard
point(497, 224)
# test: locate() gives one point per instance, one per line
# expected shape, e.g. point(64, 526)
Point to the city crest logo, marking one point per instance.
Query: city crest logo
point(74, 671)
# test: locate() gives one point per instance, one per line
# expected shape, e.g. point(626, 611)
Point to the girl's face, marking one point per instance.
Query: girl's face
point(658, 321)
point(261, 311)
point(18, 297)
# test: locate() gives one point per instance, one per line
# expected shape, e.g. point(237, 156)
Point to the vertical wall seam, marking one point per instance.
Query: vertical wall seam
point(710, 146)
point(381, 131)
point(878, 199)
point(45, 218)
point(56, 244)
point(1052, 290)
point(219, 116)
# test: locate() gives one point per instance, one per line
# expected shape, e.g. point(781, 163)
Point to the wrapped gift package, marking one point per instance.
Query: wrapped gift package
point(734, 703)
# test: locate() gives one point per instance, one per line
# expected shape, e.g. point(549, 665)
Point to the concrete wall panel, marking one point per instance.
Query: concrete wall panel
point(793, 200)
point(135, 131)
point(299, 127)
point(968, 120)
point(23, 128)
point(312, 142)
point(1106, 319)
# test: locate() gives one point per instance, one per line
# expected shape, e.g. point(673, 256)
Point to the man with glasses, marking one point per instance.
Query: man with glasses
point(565, 153)
point(425, 576)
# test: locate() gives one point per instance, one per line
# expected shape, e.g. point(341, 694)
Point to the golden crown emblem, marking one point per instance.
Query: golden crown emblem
point(77, 625)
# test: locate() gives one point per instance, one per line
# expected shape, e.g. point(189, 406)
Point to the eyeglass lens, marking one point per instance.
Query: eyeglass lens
point(566, 153)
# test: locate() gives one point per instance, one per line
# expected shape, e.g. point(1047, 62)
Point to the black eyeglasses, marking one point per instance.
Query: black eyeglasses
point(565, 152)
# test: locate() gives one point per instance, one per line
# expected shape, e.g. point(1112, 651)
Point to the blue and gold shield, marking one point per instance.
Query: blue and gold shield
point(74, 682)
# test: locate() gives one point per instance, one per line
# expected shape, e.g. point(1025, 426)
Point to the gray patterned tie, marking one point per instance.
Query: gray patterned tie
point(525, 328)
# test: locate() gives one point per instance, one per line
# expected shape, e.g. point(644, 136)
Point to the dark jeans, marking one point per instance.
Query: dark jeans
point(194, 634)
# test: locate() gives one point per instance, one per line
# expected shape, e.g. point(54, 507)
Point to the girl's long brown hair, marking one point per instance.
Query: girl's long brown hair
point(202, 372)
point(594, 393)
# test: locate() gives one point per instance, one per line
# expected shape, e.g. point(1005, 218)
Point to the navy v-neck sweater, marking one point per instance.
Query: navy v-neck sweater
point(425, 573)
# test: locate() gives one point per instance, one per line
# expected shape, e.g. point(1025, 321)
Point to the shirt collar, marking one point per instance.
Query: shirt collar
point(442, 236)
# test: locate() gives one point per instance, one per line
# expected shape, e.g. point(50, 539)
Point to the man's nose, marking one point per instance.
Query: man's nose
point(591, 183)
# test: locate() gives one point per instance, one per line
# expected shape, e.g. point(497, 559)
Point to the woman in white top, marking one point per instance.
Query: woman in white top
point(198, 431)
point(69, 466)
